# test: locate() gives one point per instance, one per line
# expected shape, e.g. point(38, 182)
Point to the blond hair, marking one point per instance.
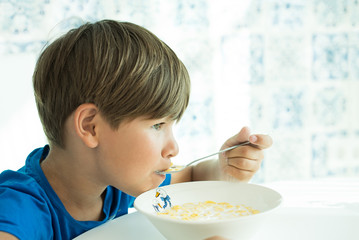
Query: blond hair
point(122, 68)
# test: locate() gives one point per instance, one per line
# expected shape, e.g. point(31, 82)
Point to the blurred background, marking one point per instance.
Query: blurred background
point(288, 68)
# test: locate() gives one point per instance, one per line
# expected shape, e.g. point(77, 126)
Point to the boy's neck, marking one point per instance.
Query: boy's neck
point(73, 184)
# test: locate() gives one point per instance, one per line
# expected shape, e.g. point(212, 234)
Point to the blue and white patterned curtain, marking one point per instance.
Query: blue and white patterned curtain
point(289, 68)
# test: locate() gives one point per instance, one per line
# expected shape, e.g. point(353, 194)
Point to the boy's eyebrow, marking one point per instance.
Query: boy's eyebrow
point(167, 120)
point(164, 119)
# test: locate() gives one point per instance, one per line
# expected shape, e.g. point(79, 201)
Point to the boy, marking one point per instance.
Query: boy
point(107, 94)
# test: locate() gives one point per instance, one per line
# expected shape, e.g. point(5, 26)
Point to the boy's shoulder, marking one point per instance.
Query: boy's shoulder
point(19, 183)
point(23, 206)
point(25, 181)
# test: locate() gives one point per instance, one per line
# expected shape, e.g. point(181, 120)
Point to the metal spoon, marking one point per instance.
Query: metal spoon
point(178, 168)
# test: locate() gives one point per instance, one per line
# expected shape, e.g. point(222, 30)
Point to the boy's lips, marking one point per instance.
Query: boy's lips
point(159, 173)
point(162, 170)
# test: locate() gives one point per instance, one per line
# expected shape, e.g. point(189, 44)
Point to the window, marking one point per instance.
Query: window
point(286, 68)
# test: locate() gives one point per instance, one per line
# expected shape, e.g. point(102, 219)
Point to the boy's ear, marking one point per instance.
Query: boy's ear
point(85, 120)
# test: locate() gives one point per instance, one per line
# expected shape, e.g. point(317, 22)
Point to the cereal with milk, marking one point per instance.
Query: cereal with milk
point(207, 210)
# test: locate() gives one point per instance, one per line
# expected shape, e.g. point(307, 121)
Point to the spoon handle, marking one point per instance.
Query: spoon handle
point(176, 168)
point(224, 150)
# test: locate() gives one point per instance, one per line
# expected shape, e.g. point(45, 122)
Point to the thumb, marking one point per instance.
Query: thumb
point(242, 136)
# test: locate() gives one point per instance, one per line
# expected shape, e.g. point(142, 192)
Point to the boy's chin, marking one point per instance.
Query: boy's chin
point(155, 183)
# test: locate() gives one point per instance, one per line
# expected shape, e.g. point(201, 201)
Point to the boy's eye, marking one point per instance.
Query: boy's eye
point(157, 126)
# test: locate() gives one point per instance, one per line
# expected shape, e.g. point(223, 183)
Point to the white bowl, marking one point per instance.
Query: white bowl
point(258, 197)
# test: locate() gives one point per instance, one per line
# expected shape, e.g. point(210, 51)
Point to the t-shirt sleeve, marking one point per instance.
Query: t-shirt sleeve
point(23, 211)
point(167, 181)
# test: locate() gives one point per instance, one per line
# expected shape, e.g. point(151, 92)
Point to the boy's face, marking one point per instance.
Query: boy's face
point(129, 157)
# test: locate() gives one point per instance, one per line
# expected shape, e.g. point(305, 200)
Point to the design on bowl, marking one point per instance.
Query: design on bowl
point(162, 200)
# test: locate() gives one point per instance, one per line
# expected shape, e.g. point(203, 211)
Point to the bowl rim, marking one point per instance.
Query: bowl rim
point(211, 221)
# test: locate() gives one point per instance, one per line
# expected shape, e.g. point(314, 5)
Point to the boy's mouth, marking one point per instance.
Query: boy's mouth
point(161, 172)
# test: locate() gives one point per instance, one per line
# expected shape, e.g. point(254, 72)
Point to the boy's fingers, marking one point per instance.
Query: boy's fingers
point(250, 152)
point(260, 141)
point(242, 164)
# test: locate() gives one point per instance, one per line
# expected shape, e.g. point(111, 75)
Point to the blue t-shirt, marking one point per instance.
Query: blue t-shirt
point(30, 208)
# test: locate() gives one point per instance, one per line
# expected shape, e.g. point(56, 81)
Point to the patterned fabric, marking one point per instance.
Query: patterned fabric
point(289, 68)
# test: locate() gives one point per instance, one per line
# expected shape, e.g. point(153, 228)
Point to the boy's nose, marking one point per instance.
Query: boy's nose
point(172, 149)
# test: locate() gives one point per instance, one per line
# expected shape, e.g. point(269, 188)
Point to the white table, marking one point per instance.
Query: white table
point(324, 209)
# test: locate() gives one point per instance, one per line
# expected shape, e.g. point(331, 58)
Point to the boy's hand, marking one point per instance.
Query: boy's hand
point(243, 162)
